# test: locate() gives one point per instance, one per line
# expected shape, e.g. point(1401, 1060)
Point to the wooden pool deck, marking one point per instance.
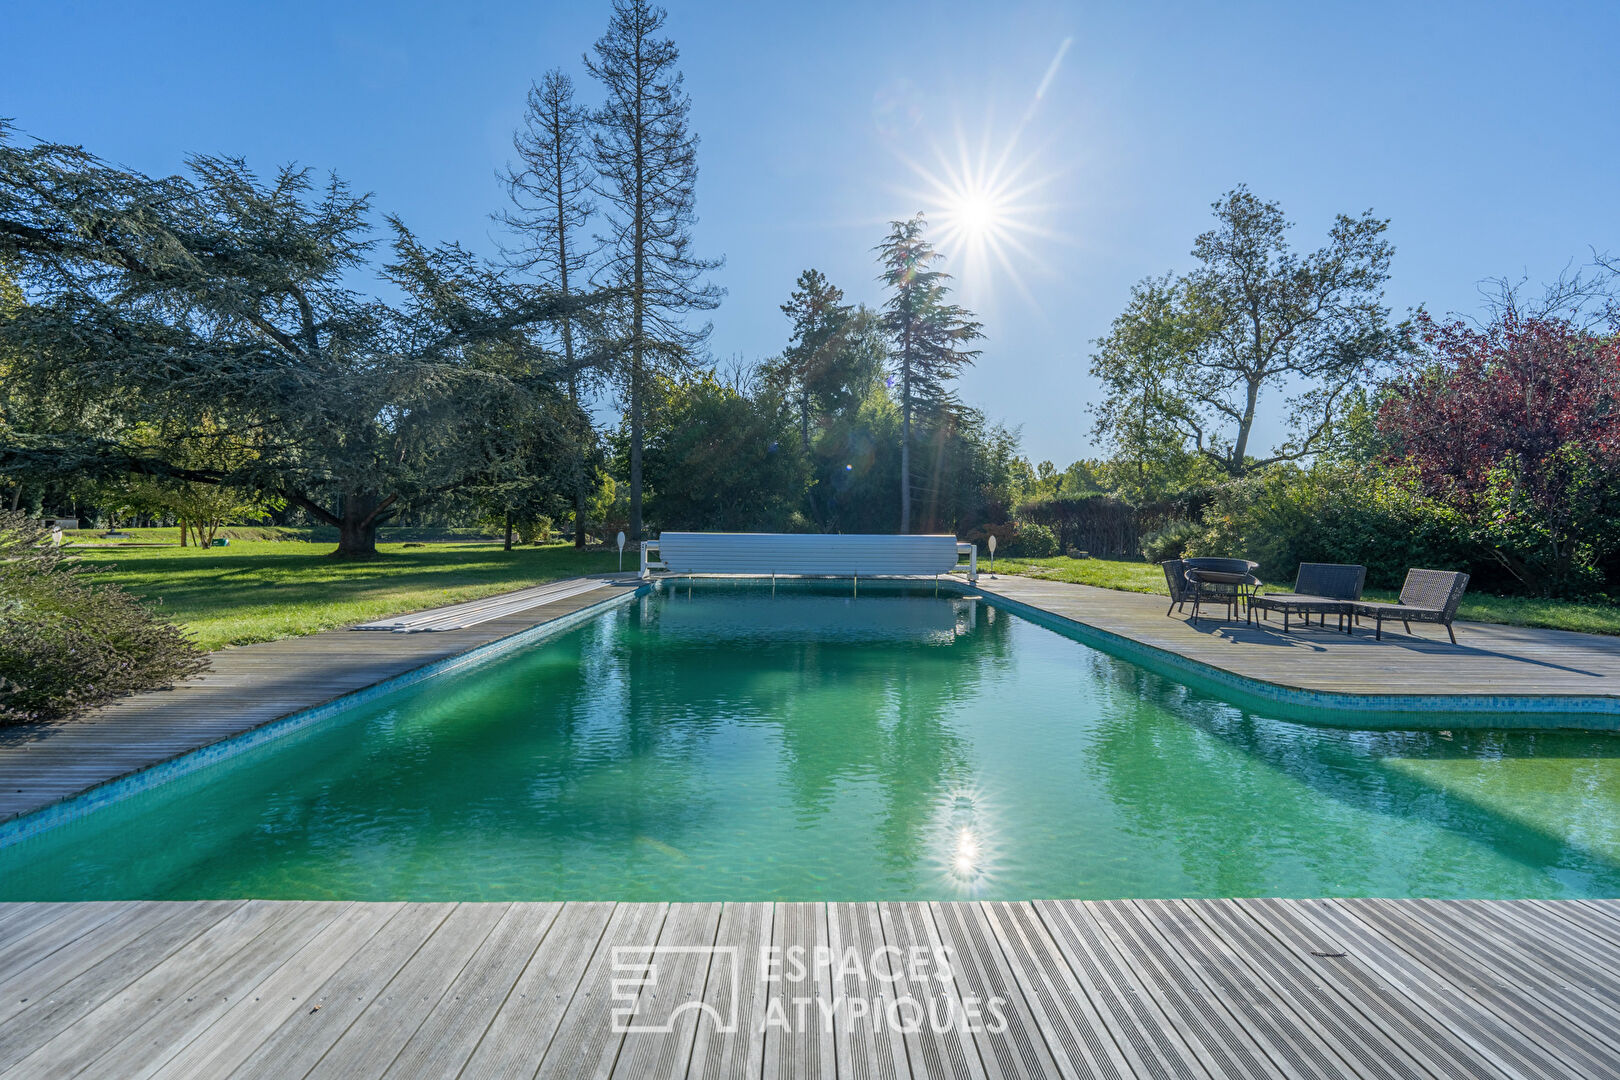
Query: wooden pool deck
point(1489, 660)
point(1162, 989)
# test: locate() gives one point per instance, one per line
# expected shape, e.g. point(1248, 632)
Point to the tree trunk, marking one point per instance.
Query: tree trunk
point(185, 532)
point(357, 528)
point(509, 530)
point(905, 452)
point(16, 498)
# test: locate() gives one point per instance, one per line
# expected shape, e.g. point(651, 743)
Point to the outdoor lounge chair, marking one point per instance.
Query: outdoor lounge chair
point(1427, 596)
point(1321, 589)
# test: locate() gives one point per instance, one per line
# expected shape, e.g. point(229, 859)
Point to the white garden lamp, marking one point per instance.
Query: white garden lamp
point(621, 551)
point(991, 544)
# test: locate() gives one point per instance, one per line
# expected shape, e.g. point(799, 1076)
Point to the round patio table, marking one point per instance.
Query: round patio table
point(1243, 586)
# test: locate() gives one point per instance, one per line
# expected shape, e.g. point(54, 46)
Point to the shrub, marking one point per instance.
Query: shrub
point(1334, 513)
point(537, 531)
point(67, 642)
point(1032, 541)
point(1106, 526)
point(1170, 542)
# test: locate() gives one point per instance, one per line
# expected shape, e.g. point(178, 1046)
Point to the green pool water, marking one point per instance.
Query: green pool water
point(733, 744)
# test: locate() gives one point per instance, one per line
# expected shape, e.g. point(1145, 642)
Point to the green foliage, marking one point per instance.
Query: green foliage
point(719, 459)
point(67, 641)
point(1333, 513)
point(1033, 541)
point(535, 530)
point(1103, 525)
point(1184, 367)
point(1170, 540)
point(210, 318)
point(928, 339)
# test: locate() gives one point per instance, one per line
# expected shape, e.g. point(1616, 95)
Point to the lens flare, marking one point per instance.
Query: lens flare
point(985, 212)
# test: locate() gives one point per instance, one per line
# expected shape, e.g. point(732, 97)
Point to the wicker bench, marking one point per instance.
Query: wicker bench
point(1427, 596)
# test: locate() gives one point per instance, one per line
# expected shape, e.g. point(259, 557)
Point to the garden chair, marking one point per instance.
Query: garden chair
point(1427, 596)
point(1175, 577)
point(1322, 589)
point(1226, 581)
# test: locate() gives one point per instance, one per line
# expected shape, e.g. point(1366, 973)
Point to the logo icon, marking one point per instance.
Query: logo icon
point(648, 979)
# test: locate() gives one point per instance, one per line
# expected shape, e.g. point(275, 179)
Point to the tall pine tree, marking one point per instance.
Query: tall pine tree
point(807, 368)
point(926, 335)
point(646, 163)
point(551, 198)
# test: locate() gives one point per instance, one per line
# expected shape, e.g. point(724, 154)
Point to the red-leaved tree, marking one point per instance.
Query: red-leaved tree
point(1518, 425)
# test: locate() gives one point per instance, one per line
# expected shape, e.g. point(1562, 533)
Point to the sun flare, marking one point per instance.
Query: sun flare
point(984, 210)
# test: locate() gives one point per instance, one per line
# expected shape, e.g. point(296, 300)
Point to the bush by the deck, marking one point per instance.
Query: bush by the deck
point(68, 642)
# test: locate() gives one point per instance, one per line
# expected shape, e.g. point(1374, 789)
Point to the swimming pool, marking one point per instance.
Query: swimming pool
point(731, 741)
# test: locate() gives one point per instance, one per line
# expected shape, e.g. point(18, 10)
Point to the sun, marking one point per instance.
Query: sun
point(975, 214)
point(984, 212)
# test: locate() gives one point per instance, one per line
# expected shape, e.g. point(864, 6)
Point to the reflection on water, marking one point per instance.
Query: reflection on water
point(734, 743)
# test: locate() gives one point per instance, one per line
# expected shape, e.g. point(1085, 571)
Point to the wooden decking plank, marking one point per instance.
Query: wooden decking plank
point(1287, 1033)
point(300, 1041)
point(1358, 1026)
point(685, 947)
point(195, 1007)
point(388, 1021)
point(62, 925)
point(1546, 941)
point(1077, 1034)
point(1130, 1009)
point(934, 1050)
point(526, 1021)
point(1378, 990)
point(996, 1016)
point(1459, 1016)
point(1184, 997)
point(1558, 1018)
point(864, 1040)
point(74, 1047)
point(47, 1016)
point(586, 1042)
point(1363, 982)
point(798, 1044)
point(252, 1018)
point(447, 1038)
point(20, 985)
point(1592, 929)
point(729, 1043)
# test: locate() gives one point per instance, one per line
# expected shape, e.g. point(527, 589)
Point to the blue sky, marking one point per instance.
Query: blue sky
point(1488, 133)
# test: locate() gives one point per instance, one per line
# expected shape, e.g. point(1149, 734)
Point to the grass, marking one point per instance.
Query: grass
point(1585, 616)
point(264, 590)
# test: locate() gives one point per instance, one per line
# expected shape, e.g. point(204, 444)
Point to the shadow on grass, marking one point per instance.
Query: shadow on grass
point(301, 591)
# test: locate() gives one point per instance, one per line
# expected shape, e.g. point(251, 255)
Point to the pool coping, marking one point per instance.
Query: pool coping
point(1328, 708)
point(73, 806)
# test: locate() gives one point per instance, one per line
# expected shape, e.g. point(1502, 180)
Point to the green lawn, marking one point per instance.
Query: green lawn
point(260, 591)
point(1591, 618)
